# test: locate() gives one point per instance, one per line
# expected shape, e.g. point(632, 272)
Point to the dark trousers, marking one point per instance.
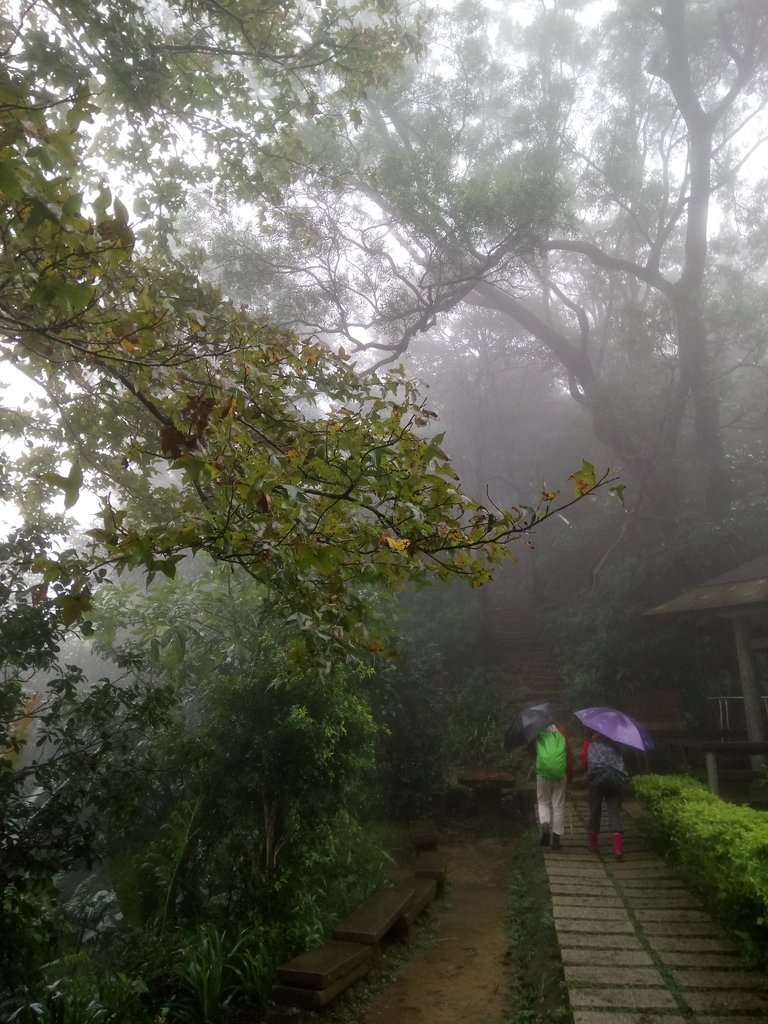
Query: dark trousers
point(612, 797)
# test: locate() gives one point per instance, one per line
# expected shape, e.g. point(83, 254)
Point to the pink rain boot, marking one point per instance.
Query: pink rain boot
point(593, 842)
point(618, 847)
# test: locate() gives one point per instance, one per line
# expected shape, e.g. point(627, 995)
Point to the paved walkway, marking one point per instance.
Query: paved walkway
point(637, 947)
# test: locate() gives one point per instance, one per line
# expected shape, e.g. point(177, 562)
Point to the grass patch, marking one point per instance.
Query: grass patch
point(538, 994)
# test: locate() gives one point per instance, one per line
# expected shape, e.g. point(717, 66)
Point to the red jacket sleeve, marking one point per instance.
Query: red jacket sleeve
point(584, 752)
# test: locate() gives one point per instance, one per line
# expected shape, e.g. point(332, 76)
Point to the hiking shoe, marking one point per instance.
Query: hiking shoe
point(544, 836)
point(556, 841)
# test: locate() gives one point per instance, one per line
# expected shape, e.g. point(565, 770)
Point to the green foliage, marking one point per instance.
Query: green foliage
point(68, 746)
point(218, 969)
point(237, 807)
point(408, 703)
point(234, 80)
point(478, 709)
point(721, 848)
point(71, 991)
point(253, 775)
point(435, 718)
point(214, 430)
point(209, 975)
point(606, 648)
point(537, 994)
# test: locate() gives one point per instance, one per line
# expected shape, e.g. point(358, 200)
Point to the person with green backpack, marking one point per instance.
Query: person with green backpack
point(554, 770)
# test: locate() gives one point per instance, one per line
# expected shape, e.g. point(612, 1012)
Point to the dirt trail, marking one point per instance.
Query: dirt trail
point(462, 975)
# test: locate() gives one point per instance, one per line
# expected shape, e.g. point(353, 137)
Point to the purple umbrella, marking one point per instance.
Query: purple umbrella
point(617, 726)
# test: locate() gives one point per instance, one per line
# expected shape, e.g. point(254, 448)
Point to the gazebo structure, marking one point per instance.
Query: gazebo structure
point(740, 596)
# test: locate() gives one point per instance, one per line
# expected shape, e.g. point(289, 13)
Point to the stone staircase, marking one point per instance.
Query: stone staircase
point(518, 645)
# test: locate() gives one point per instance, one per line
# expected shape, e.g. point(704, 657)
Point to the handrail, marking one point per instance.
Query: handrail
point(724, 710)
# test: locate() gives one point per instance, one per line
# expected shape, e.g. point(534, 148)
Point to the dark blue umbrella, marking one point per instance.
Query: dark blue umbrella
point(531, 721)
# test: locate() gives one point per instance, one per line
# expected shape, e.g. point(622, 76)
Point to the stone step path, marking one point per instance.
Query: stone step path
point(637, 947)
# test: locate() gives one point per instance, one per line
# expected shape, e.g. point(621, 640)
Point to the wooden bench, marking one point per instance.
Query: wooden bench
point(488, 788)
point(431, 864)
point(425, 890)
point(423, 835)
point(314, 978)
point(377, 915)
point(311, 980)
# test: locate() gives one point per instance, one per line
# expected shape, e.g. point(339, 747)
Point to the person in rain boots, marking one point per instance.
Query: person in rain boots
point(606, 777)
point(554, 770)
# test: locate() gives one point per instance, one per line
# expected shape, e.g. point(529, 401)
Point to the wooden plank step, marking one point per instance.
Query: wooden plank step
point(313, 998)
point(423, 834)
point(319, 968)
point(431, 864)
point(376, 916)
point(425, 892)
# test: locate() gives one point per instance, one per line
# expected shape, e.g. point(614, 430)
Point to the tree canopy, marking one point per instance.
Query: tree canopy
point(209, 428)
point(566, 175)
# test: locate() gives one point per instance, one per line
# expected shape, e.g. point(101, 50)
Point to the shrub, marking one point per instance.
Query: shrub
point(72, 991)
point(720, 848)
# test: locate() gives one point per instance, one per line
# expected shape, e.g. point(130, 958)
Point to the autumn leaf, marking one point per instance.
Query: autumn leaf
point(401, 545)
point(584, 478)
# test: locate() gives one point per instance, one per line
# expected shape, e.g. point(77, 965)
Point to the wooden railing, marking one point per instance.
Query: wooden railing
point(729, 712)
point(712, 748)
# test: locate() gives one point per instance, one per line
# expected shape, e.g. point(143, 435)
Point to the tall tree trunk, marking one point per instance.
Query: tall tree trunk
point(653, 474)
point(688, 293)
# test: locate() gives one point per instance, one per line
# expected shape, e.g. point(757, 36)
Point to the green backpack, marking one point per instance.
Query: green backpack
point(550, 755)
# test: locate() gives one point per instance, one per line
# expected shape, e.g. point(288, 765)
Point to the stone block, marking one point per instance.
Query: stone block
point(576, 924)
point(690, 978)
point(696, 958)
point(424, 835)
point(590, 942)
point(620, 957)
point(648, 901)
point(596, 888)
point(425, 890)
point(700, 943)
point(314, 999)
point(611, 975)
point(681, 930)
point(669, 883)
point(610, 1017)
point(729, 1019)
point(642, 999)
point(672, 914)
point(319, 968)
point(376, 916)
point(726, 1001)
point(430, 864)
point(606, 913)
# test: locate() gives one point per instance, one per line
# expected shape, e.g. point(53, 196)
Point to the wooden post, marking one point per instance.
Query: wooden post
point(712, 780)
point(754, 713)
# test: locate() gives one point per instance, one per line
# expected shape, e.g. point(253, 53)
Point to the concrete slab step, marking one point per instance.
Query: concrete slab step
point(314, 999)
point(610, 999)
point(371, 921)
point(611, 1017)
point(318, 968)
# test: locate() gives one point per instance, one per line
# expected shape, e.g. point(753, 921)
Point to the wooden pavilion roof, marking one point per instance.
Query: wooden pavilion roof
point(742, 588)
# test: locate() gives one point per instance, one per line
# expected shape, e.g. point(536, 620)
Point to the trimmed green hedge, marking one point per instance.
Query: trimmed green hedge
point(721, 849)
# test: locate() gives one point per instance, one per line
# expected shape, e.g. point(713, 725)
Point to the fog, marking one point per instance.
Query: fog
point(370, 373)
